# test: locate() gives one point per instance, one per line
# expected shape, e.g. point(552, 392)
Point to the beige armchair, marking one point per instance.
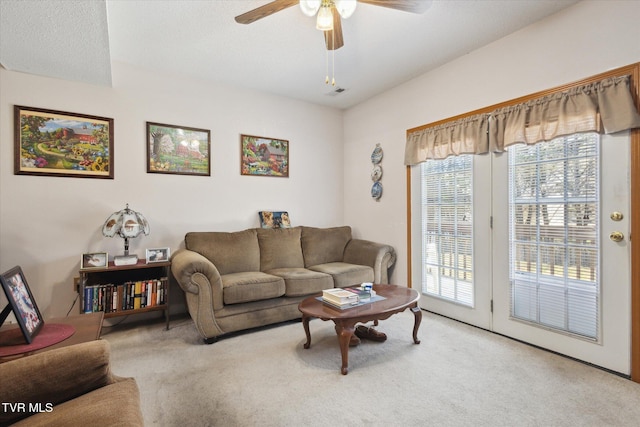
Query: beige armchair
point(68, 386)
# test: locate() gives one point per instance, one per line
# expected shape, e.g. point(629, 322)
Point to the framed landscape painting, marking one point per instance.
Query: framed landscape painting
point(178, 150)
point(264, 156)
point(57, 143)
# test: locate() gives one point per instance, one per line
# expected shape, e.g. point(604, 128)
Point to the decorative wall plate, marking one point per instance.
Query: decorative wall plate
point(376, 156)
point(376, 173)
point(376, 190)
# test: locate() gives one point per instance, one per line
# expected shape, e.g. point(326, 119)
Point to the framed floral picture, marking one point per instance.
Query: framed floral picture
point(264, 156)
point(57, 143)
point(178, 150)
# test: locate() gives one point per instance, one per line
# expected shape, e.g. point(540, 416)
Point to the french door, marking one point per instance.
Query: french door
point(527, 253)
point(455, 268)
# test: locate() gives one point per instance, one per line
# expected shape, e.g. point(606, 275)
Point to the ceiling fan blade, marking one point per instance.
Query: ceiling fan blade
point(263, 11)
point(413, 6)
point(333, 38)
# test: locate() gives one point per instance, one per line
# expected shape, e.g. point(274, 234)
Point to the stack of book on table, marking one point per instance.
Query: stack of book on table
point(346, 297)
point(339, 297)
point(364, 294)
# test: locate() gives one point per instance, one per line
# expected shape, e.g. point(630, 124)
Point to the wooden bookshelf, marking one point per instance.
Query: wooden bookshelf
point(146, 282)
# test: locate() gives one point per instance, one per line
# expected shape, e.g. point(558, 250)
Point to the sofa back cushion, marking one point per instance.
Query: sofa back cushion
point(280, 248)
point(323, 245)
point(229, 252)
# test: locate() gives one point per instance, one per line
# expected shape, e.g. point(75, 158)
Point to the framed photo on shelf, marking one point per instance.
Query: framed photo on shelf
point(94, 260)
point(262, 156)
point(57, 143)
point(178, 150)
point(22, 303)
point(158, 255)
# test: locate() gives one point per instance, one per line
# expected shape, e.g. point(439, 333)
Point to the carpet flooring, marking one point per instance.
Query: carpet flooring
point(458, 376)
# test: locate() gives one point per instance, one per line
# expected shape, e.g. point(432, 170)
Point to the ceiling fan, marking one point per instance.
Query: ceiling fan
point(329, 13)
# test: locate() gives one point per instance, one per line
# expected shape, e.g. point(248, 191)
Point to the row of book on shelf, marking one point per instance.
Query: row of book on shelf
point(127, 296)
point(345, 297)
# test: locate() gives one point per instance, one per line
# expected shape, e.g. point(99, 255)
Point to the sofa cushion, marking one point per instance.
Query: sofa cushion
point(280, 248)
point(229, 252)
point(300, 281)
point(250, 286)
point(345, 274)
point(323, 245)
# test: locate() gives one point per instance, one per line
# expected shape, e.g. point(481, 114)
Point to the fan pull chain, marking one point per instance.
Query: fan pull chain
point(333, 62)
point(326, 66)
point(333, 57)
point(333, 65)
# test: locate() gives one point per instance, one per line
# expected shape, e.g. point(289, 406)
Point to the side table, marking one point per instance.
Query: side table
point(87, 328)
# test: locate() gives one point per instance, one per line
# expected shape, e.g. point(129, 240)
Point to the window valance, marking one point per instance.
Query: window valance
point(603, 106)
point(464, 136)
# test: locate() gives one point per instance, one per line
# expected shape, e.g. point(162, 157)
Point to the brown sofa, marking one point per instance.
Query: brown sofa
point(68, 386)
point(245, 279)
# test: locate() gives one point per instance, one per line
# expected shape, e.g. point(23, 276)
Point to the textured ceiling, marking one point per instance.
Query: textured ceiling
point(282, 54)
point(35, 38)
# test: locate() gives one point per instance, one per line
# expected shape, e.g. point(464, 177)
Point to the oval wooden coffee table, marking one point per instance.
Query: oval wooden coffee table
point(397, 299)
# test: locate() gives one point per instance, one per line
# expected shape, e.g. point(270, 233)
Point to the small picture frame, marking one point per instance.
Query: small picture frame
point(158, 255)
point(22, 303)
point(94, 260)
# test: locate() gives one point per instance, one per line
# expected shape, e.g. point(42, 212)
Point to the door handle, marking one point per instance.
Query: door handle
point(616, 236)
point(616, 216)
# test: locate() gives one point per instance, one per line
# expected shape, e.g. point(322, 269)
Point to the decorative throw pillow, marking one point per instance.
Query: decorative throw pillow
point(271, 219)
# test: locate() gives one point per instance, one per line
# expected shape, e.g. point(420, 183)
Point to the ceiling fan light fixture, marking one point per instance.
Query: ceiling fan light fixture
point(346, 7)
point(324, 22)
point(310, 7)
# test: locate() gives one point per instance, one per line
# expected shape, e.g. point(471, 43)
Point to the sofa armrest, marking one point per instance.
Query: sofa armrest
point(197, 275)
point(376, 255)
point(201, 281)
point(53, 377)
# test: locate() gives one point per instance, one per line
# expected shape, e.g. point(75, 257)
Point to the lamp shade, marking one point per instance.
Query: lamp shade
point(324, 21)
point(126, 223)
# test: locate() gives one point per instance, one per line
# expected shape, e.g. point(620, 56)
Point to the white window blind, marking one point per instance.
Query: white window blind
point(554, 233)
point(447, 252)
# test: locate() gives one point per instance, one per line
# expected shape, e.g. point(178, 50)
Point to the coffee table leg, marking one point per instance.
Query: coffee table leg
point(345, 332)
point(417, 313)
point(305, 324)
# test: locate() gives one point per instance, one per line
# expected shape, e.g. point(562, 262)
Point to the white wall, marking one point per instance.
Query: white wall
point(46, 223)
point(583, 40)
